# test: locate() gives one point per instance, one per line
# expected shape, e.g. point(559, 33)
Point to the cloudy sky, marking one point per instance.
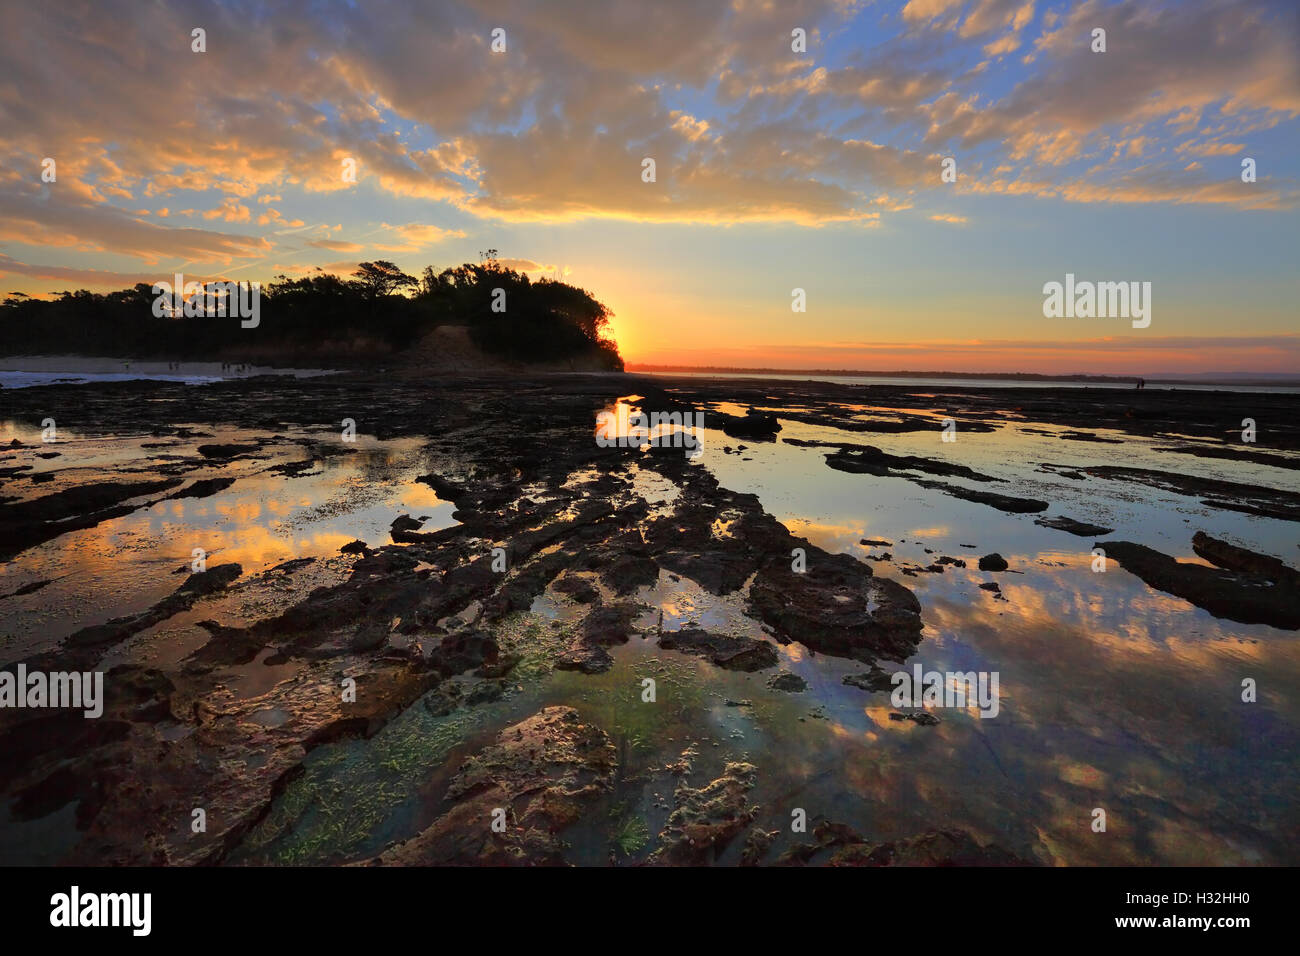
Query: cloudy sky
point(774, 169)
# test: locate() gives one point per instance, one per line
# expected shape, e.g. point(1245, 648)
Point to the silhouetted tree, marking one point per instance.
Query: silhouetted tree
point(322, 317)
point(381, 278)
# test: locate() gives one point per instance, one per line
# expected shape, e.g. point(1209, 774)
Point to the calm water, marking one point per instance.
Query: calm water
point(972, 382)
point(26, 371)
point(1112, 695)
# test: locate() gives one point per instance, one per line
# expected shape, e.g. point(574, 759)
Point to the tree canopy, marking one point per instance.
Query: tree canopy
point(321, 316)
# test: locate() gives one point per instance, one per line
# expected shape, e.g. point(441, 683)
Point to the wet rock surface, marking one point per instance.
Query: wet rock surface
point(993, 562)
point(536, 780)
point(1248, 596)
point(271, 669)
point(869, 460)
point(754, 424)
point(198, 585)
point(790, 683)
point(840, 609)
point(24, 524)
point(1081, 528)
point(838, 845)
point(707, 819)
point(733, 653)
point(1233, 558)
point(1008, 503)
point(1216, 493)
point(415, 617)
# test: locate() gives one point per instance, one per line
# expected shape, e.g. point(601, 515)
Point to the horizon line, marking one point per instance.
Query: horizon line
point(1226, 378)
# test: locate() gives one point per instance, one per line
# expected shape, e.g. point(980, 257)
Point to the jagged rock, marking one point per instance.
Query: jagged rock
point(706, 820)
point(790, 683)
point(829, 608)
point(543, 772)
point(606, 625)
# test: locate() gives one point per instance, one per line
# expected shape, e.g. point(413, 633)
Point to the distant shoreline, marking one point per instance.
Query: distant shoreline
point(28, 371)
point(1206, 379)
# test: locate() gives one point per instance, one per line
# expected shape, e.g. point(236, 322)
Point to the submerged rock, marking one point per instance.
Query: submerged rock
point(1081, 528)
point(919, 717)
point(198, 585)
point(1214, 492)
point(605, 626)
point(732, 653)
point(543, 773)
point(1007, 503)
point(839, 845)
point(757, 842)
point(293, 469)
point(874, 680)
point(706, 820)
point(790, 683)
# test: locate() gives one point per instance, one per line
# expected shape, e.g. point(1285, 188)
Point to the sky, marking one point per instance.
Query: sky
point(776, 167)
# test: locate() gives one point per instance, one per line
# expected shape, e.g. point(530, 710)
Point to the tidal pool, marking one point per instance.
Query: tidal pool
point(1113, 695)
